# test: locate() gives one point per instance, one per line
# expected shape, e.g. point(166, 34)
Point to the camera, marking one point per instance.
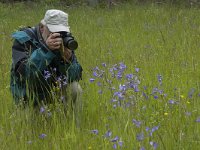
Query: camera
point(68, 40)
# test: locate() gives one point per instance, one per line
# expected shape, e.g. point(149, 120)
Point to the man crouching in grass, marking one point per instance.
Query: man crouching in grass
point(44, 62)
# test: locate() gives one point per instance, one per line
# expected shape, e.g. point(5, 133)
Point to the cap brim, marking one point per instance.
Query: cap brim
point(58, 28)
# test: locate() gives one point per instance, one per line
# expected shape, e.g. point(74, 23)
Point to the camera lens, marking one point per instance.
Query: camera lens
point(70, 43)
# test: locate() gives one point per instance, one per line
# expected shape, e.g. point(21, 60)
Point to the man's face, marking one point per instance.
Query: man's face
point(45, 32)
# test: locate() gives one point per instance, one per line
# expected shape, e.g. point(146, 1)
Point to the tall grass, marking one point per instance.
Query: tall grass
point(159, 45)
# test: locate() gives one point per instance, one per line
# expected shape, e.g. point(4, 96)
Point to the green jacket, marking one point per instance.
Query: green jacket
point(36, 69)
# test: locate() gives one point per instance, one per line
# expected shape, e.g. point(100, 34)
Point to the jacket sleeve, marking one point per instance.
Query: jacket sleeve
point(26, 63)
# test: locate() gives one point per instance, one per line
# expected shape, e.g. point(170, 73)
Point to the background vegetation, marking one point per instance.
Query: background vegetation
point(103, 3)
point(147, 96)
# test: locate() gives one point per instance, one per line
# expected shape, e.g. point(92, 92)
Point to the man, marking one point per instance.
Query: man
point(43, 69)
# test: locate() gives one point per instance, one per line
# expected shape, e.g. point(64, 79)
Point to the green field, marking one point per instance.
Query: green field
point(146, 94)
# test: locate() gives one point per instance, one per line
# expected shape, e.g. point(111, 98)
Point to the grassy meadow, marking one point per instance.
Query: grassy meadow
point(141, 81)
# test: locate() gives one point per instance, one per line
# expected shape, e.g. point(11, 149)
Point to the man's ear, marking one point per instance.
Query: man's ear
point(41, 28)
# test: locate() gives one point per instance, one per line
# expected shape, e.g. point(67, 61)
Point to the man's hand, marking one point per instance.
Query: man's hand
point(54, 41)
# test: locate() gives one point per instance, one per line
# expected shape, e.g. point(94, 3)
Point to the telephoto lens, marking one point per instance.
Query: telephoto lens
point(69, 41)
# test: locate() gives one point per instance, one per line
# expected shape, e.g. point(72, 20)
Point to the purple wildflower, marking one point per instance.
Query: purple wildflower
point(137, 123)
point(198, 119)
point(96, 68)
point(188, 113)
point(119, 75)
point(147, 129)
point(100, 91)
point(119, 95)
point(142, 148)
point(115, 139)
point(115, 146)
point(114, 100)
point(104, 64)
point(154, 144)
point(160, 79)
point(153, 130)
point(114, 106)
point(108, 134)
point(95, 74)
point(122, 66)
point(172, 102)
point(145, 95)
point(137, 69)
point(120, 143)
point(145, 87)
point(191, 92)
point(92, 80)
point(42, 136)
point(99, 83)
point(122, 87)
point(136, 89)
point(155, 96)
point(155, 90)
point(42, 110)
point(140, 136)
point(129, 76)
point(112, 88)
point(95, 131)
point(47, 74)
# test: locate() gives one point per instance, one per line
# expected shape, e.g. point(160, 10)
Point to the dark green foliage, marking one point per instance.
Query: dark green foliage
point(111, 2)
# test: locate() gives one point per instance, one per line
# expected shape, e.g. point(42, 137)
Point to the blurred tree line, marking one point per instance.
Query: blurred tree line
point(110, 3)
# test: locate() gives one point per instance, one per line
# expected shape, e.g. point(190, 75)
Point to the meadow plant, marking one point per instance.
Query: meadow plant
point(140, 81)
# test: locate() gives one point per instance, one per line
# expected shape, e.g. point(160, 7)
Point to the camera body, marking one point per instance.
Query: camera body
point(68, 40)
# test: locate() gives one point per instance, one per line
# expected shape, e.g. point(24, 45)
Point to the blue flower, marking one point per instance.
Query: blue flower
point(160, 79)
point(137, 69)
point(188, 113)
point(137, 123)
point(95, 131)
point(95, 74)
point(100, 91)
point(104, 64)
point(198, 119)
point(154, 144)
point(140, 136)
point(191, 92)
point(92, 80)
point(47, 74)
point(129, 76)
point(42, 136)
point(122, 87)
point(120, 143)
point(99, 83)
point(155, 96)
point(122, 66)
point(172, 102)
point(142, 148)
point(152, 130)
point(119, 95)
point(115, 146)
point(108, 134)
point(42, 109)
point(115, 139)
